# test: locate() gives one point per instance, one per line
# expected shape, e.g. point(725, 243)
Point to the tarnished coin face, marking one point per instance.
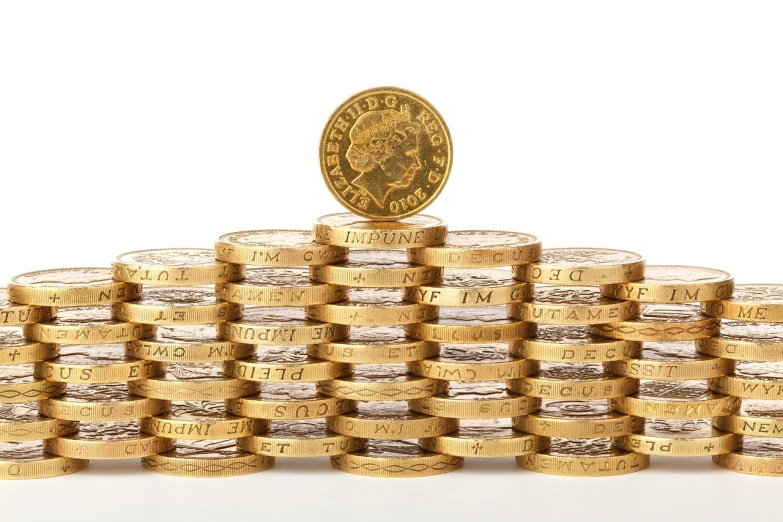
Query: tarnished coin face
point(385, 153)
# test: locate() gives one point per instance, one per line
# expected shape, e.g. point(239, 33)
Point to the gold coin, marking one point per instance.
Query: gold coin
point(177, 305)
point(583, 458)
point(476, 400)
point(761, 303)
point(206, 459)
point(679, 438)
point(375, 344)
point(755, 457)
point(466, 325)
point(675, 400)
point(573, 343)
point(276, 248)
point(376, 269)
point(196, 420)
point(388, 421)
point(373, 306)
point(671, 361)
point(16, 349)
point(582, 267)
point(755, 417)
point(578, 420)
point(572, 305)
point(581, 381)
point(475, 287)
point(395, 459)
point(382, 382)
point(485, 438)
point(19, 384)
point(70, 287)
point(745, 341)
point(181, 382)
point(280, 287)
point(108, 441)
point(662, 323)
point(280, 326)
point(13, 314)
point(28, 460)
point(87, 325)
point(480, 249)
point(187, 343)
point(674, 284)
point(301, 438)
point(752, 380)
point(101, 403)
point(289, 401)
point(483, 362)
point(21, 422)
point(102, 363)
point(385, 153)
point(174, 267)
point(285, 364)
point(348, 230)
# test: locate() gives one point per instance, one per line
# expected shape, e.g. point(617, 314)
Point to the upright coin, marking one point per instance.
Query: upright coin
point(70, 287)
point(385, 153)
point(480, 249)
point(674, 284)
point(761, 303)
point(174, 267)
point(582, 266)
point(276, 248)
point(13, 314)
point(347, 230)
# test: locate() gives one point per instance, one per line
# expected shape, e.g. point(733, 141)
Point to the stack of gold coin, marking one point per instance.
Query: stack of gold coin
point(673, 395)
point(377, 312)
point(194, 434)
point(476, 338)
point(576, 377)
point(751, 337)
point(275, 291)
point(85, 358)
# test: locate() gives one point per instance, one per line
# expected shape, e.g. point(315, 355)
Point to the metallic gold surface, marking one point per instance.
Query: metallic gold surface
point(671, 361)
point(108, 441)
point(276, 248)
point(280, 326)
point(675, 400)
point(373, 306)
point(187, 343)
point(755, 457)
point(20, 422)
point(483, 362)
point(573, 343)
point(101, 403)
point(745, 341)
point(27, 460)
point(375, 344)
point(752, 380)
point(19, 384)
point(485, 438)
point(177, 305)
point(476, 400)
point(466, 325)
point(662, 322)
point(578, 420)
point(679, 438)
point(389, 421)
point(87, 325)
point(382, 382)
point(480, 249)
point(582, 266)
point(206, 459)
point(395, 459)
point(289, 401)
point(181, 382)
point(101, 363)
point(14, 314)
point(376, 269)
point(285, 364)
point(471, 287)
point(70, 287)
point(301, 438)
point(385, 153)
point(572, 305)
point(197, 420)
point(16, 349)
point(755, 417)
point(174, 267)
point(347, 230)
point(583, 381)
point(584, 458)
point(279, 286)
point(674, 284)
point(760, 303)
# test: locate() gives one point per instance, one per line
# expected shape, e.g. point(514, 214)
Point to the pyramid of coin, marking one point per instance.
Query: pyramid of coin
point(386, 345)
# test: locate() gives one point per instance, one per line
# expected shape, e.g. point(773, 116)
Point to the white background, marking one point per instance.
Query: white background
point(648, 126)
